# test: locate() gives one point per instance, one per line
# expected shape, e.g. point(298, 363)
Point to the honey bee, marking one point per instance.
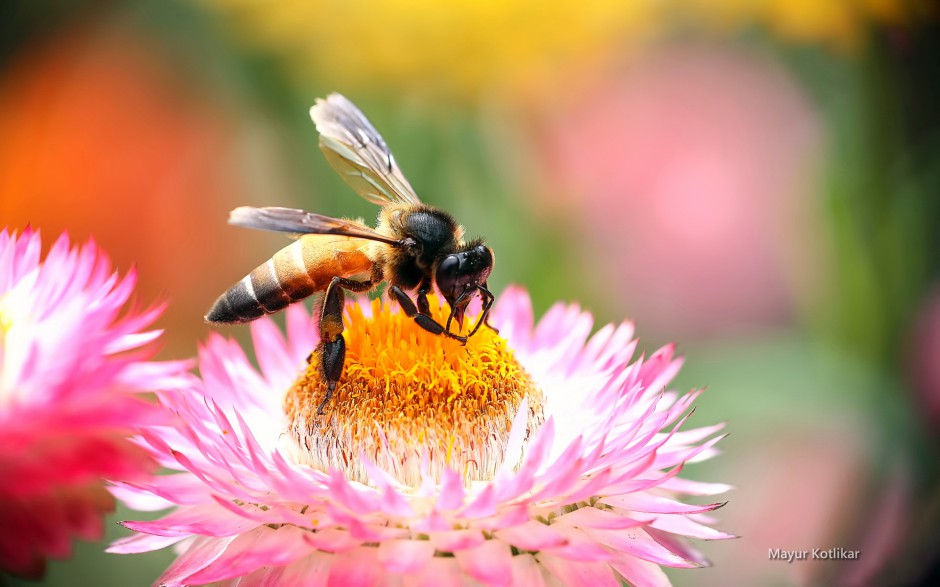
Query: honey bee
point(414, 247)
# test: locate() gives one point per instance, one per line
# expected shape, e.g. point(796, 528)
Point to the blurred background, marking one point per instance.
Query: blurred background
point(757, 180)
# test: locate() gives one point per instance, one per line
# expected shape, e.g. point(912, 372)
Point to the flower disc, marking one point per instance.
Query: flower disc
point(404, 387)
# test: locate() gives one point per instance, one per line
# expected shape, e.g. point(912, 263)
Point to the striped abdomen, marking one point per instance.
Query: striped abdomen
point(300, 269)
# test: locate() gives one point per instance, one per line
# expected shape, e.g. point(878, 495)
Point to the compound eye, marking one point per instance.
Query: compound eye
point(486, 255)
point(447, 275)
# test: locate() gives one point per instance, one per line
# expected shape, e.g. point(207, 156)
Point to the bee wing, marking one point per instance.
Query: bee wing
point(358, 153)
point(300, 222)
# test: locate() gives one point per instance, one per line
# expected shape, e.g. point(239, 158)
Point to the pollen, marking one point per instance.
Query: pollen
point(413, 402)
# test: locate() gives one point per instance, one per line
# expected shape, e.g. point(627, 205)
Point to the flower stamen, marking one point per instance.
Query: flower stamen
point(412, 402)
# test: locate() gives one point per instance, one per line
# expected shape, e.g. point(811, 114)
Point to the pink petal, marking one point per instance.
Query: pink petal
point(484, 505)
point(580, 546)
point(526, 571)
point(261, 547)
point(641, 545)
point(274, 514)
point(512, 515)
point(579, 574)
point(311, 571)
point(489, 563)
point(355, 568)
point(142, 543)
point(139, 500)
point(301, 332)
point(512, 314)
point(680, 546)
point(690, 487)
point(687, 437)
point(645, 502)
point(438, 572)
point(344, 494)
point(206, 520)
point(197, 556)
point(276, 363)
point(687, 527)
point(404, 556)
point(451, 493)
point(641, 573)
point(454, 540)
point(533, 536)
point(591, 517)
point(331, 540)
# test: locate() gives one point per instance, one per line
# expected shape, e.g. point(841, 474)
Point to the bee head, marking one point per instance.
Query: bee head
point(459, 276)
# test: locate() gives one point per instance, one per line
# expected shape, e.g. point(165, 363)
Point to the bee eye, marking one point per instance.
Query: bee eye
point(447, 274)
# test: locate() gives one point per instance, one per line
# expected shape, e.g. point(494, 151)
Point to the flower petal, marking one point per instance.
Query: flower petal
point(489, 563)
point(579, 574)
point(332, 540)
point(454, 540)
point(205, 520)
point(404, 556)
point(526, 571)
point(142, 543)
point(532, 536)
point(200, 554)
point(657, 504)
point(641, 545)
point(591, 517)
point(641, 573)
point(355, 568)
point(438, 572)
point(261, 547)
point(685, 526)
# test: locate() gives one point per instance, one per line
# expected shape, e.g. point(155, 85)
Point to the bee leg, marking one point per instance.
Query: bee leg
point(423, 320)
point(423, 306)
point(486, 293)
point(488, 299)
point(332, 347)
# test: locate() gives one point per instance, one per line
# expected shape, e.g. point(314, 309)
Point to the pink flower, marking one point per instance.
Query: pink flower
point(71, 370)
point(535, 456)
point(695, 165)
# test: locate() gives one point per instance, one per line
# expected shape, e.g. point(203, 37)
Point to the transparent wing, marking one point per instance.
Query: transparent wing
point(358, 153)
point(300, 222)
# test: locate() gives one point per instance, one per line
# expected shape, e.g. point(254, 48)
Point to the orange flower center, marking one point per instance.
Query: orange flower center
point(409, 399)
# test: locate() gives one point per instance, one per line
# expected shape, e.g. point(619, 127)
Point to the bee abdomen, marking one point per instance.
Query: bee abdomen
point(235, 306)
point(297, 271)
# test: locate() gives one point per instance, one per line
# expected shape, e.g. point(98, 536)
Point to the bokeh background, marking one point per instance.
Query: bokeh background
point(757, 180)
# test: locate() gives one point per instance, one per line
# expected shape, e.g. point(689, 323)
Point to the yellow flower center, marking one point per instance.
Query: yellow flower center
point(409, 400)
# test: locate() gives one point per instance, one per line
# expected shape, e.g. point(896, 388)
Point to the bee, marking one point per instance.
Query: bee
point(413, 247)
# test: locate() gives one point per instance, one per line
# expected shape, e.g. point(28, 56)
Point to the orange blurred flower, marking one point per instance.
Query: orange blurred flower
point(100, 138)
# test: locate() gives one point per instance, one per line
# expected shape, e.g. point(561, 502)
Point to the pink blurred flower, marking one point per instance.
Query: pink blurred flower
point(924, 366)
point(71, 369)
point(695, 165)
point(589, 497)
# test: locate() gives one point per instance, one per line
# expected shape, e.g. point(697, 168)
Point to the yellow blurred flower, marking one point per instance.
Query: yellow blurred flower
point(838, 23)
point(460, 46)
point(465, 46)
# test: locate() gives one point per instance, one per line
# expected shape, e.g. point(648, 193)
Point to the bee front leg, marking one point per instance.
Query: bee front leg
point(488, 299)
point(423, 320)
point(332, 347)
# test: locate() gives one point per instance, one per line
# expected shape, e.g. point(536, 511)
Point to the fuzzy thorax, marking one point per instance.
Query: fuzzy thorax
point(410, 401)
